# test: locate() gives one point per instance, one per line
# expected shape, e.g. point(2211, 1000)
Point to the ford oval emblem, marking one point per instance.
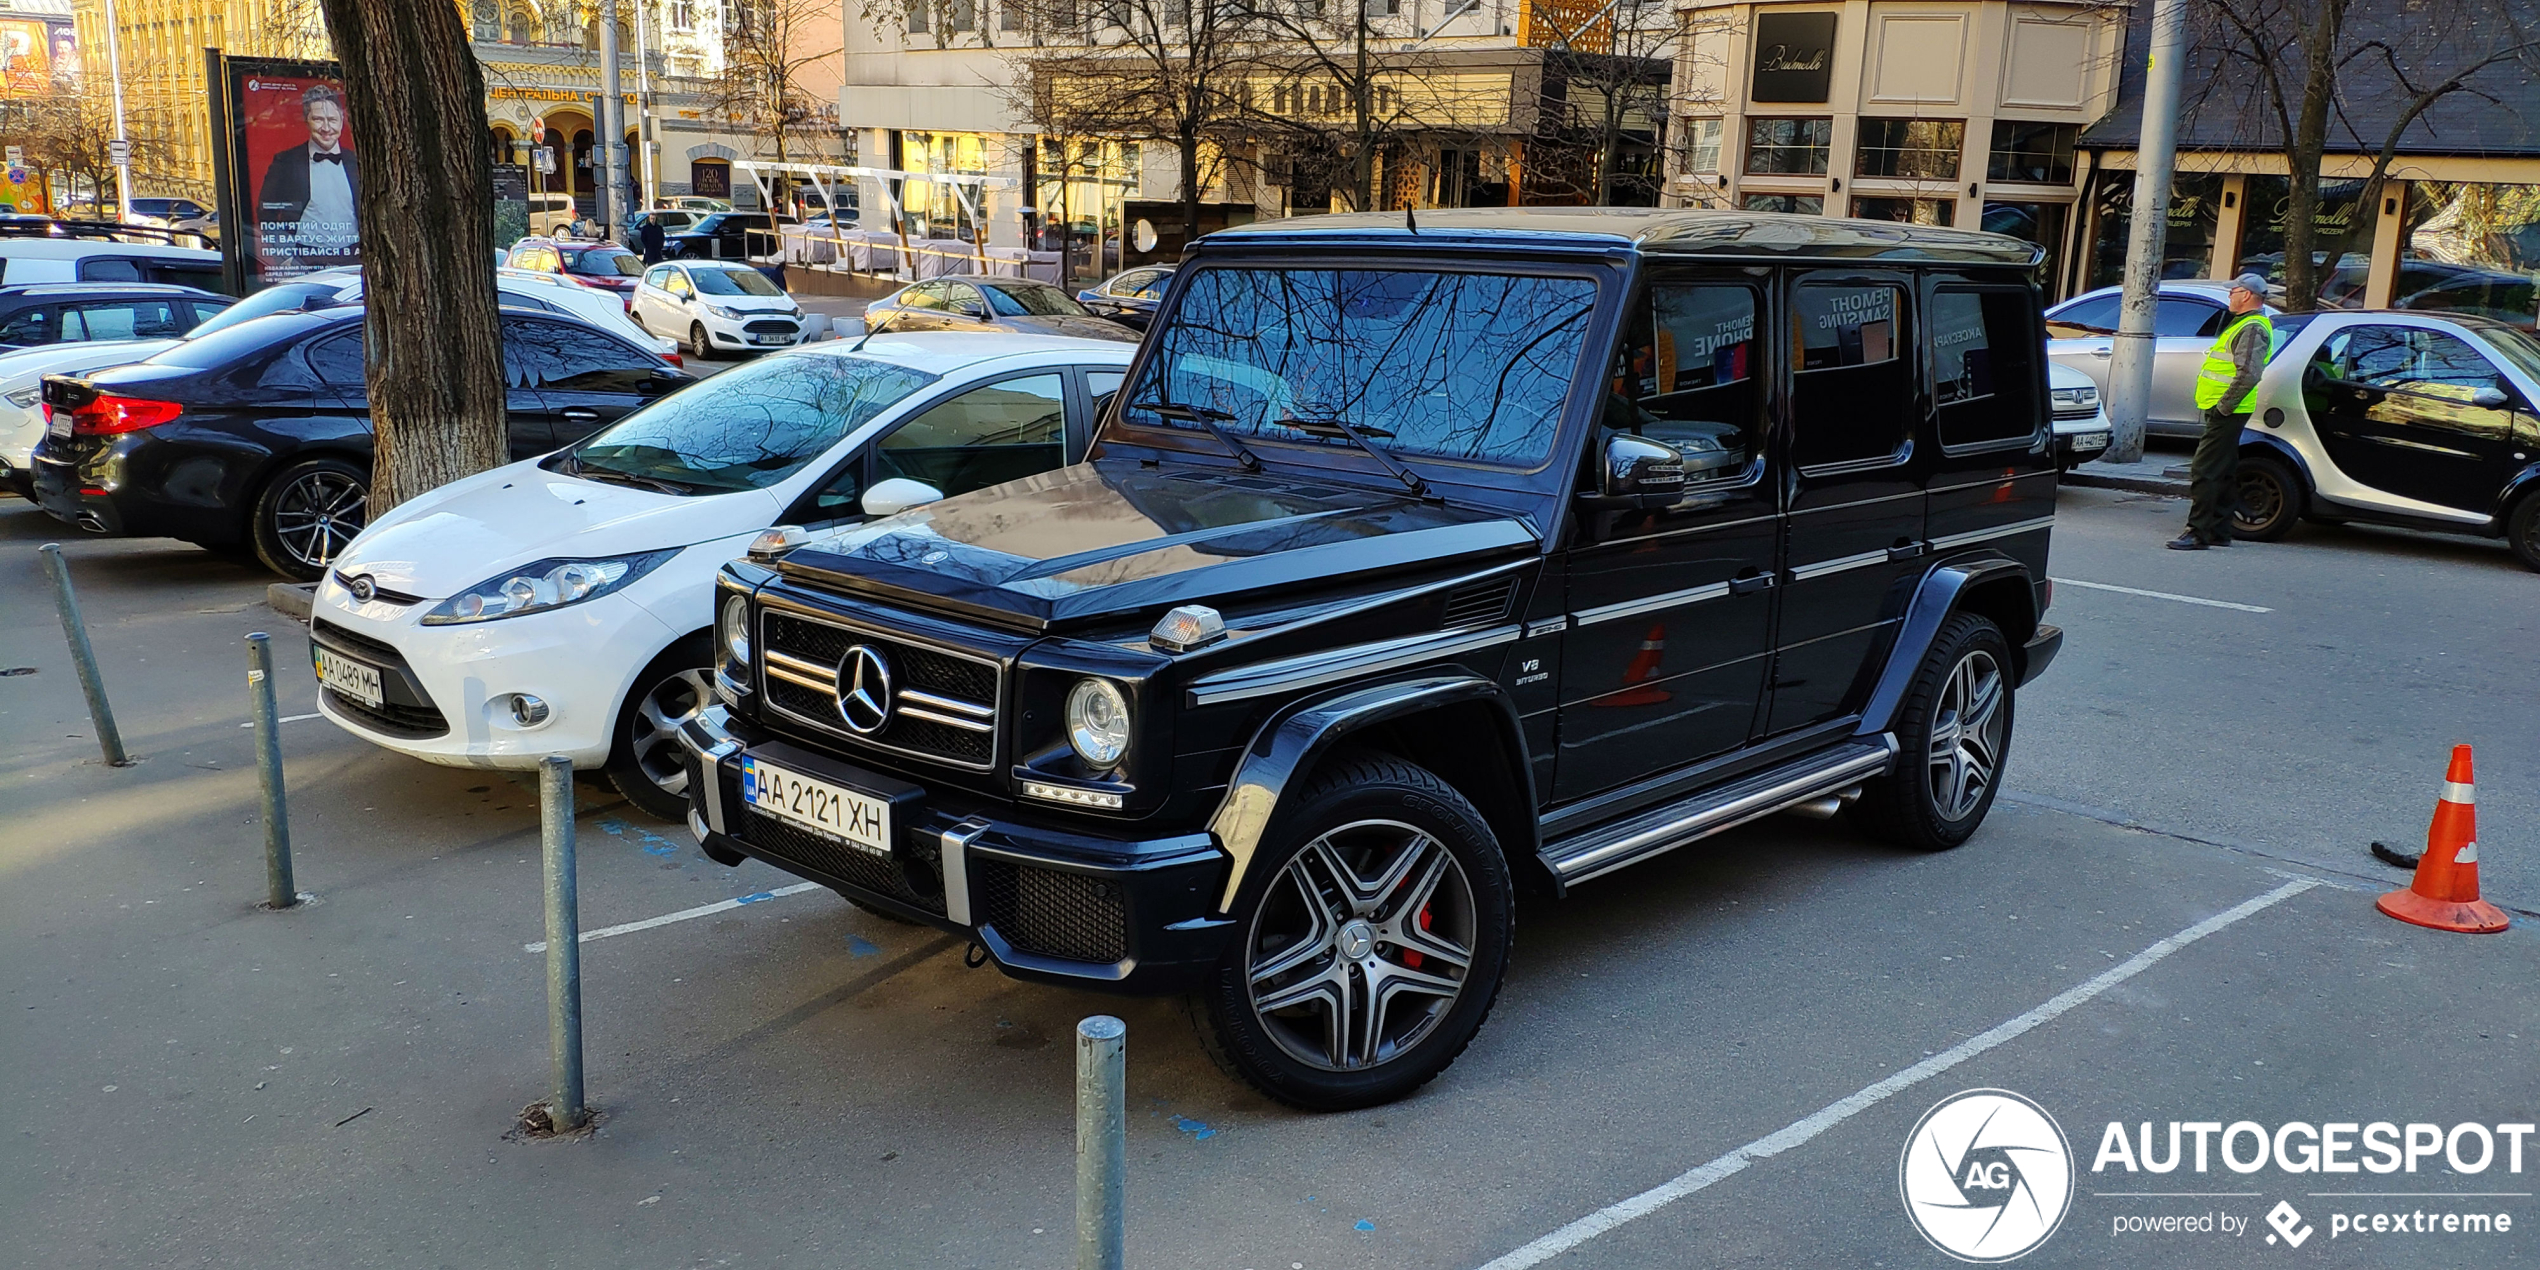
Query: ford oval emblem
point(363, 588)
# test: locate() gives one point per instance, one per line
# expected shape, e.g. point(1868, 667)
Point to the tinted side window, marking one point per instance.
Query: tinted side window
point(131, 320)
point(110, 269)
point(337, 359)
point(1852, 394)
point(39, 325)
point(2094, 316)
point(1689, 378)
point(185, 273)
point(1983, 366)
point(559, 356)
point(2178, 316)
point(989, 435)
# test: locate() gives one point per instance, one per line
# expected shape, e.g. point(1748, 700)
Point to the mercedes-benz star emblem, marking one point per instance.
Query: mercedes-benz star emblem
point(363, 588)
point(864, 689)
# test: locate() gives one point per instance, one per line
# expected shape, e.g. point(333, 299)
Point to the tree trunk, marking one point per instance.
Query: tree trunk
point(1362, 173)
point(435, 352)
point(1189, 142)
point(2302, 158)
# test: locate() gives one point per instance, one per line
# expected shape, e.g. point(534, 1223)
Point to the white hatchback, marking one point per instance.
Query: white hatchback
point(711, 304)
point(563, 605)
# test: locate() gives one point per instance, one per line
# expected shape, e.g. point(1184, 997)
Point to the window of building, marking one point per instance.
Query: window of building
point(961, 15)
point(917, 17)
point(2031, 152)
point(1010, 16)
point(1853, 390)
point(1915, 149)
point(1983, 353)
point(1911, 211)
point(2039, 223)
point(2186, 248)
point(1803, 204)
point(1776, 147)
point(1702, 144)
point(2470, 248)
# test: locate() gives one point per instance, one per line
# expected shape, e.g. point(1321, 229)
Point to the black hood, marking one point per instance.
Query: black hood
point(1100, 540)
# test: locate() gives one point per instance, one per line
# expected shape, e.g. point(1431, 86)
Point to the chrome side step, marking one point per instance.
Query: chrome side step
point(1606, 848)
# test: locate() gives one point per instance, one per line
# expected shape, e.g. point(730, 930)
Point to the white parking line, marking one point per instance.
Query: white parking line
point(1835, 1113)
point(2163, 595)
point(288, 718)
point(684, 915)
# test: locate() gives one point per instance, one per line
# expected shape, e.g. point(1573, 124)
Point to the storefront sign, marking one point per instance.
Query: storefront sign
point(1794, 57)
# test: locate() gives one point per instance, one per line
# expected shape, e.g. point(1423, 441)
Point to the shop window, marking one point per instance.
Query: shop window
point(1914, 149)
point(2471, 248)
point(2268, 200)
point(1702, 144)
point(1852, 396)
point(1788, 147)
point(1910, 211)
point(2032, 153)
point(1984, 372)
point(2187, 246)
point(2039, 223)
point(1802, 204)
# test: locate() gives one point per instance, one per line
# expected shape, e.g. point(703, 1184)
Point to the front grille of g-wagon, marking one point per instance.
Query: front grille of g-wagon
point(943, 707)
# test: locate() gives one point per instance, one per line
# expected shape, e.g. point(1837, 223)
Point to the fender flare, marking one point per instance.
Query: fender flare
point(1935, 599)
point(2252, 438)
point(1292, 741)
point(2520, 484)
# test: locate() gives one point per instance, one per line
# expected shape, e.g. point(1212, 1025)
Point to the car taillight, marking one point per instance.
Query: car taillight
point(107, 415)
point(673, 359)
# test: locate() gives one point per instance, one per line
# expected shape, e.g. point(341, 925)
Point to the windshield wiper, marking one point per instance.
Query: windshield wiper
point(1206, 418)
point(574, 466)
point(1344, 429)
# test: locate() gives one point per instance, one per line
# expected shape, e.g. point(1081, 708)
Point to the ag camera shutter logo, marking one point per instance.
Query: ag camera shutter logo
point(1986, 1175)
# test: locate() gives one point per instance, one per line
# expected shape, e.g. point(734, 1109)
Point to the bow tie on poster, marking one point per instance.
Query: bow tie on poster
point(337, 157)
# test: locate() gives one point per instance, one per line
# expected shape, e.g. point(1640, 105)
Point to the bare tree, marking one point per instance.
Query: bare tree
point(1324, 86)
point(767, 45)
point(435, 357)
point(69, 135)
point(1603, 96)
point(2294, 64)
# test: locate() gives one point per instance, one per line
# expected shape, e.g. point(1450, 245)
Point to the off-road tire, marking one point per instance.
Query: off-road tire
point(2267, 500)
point(1348, 795)
point(1902, 806)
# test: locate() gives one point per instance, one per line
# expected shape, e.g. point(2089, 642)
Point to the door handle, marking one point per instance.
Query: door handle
point(1751, 585)
point(1904, 551)
point(581, 414)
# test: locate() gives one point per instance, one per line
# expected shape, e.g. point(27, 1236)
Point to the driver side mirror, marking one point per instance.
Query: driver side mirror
point(2491, 399)
point(1635, 472)
point(897, 494)
point(971, 309)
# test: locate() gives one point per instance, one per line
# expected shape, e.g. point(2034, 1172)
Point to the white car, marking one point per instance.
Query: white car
point(2081, 418)
point(564, 605)
point(2082, 333)
point(713, 304)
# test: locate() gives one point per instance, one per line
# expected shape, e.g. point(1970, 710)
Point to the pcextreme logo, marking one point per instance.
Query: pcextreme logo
point(1986, 1175)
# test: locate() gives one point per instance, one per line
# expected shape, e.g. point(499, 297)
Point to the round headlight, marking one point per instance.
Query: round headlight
point(736, 629)
point(1098, 722)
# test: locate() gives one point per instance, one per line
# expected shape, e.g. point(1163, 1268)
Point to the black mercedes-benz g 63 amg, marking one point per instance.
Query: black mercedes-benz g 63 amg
point(1413, 566)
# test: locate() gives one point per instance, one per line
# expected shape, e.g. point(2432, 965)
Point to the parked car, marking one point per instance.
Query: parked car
point(1129, 298)
point(2419, 420)
point(257, 440)
point(698, 203)
point(2081, 333)
point(713, 305)
point(724, 236)
point(603, 266)
point(75, 312)
point(165, 213)
point(31, 260)
point(1413, 568)
point(2082, 429)
point(22, 373)
point(549, 214)
point(976, 302)
point(616, 541)
point(671, 219)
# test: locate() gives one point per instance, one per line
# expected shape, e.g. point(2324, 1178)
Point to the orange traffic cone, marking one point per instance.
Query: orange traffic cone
point(1636, 690)
point(2445, 892)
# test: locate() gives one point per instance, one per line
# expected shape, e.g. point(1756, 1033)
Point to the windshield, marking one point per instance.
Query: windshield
point(278, 299)
point(1463, 366)
point(751, 426)
point(1028, 300)
point(2518, 346)
point(604, 264)
point(733, 282)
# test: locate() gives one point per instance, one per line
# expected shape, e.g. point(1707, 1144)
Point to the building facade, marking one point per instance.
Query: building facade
point(1939, 112)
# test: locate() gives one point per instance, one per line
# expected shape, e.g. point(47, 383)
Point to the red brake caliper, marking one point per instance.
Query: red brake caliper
point(1410, 958)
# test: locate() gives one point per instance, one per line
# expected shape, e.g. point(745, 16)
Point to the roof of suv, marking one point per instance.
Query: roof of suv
point(1652, 231)
point(74, 290)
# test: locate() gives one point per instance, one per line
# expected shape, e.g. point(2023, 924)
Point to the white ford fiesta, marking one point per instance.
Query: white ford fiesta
point(562, 605)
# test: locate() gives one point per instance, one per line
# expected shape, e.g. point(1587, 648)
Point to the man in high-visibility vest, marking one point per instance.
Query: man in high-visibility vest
point(2224, 386)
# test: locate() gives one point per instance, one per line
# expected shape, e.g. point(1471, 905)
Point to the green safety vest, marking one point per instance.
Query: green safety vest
point(2213, 379)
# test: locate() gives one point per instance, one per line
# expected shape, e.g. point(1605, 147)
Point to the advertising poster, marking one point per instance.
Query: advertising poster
point(297, 169)
point(26, 58)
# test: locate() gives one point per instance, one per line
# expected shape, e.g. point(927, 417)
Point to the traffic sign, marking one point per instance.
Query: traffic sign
point(546, 158)
point(119, 152)
point(17, 156)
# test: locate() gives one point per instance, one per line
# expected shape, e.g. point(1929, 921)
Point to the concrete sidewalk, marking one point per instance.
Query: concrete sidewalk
point(2157, 472)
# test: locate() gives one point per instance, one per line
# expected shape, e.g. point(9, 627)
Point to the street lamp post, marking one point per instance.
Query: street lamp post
point(123, 142)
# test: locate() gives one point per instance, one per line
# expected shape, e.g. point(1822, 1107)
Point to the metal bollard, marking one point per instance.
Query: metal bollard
point(279, 893)
point(1102, 1139)
point(85, 658)
point(564, 943)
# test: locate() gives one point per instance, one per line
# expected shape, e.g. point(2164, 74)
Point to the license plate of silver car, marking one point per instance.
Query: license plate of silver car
point(833, 811)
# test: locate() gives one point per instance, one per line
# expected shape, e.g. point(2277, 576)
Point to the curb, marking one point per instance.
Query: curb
point(294, 600)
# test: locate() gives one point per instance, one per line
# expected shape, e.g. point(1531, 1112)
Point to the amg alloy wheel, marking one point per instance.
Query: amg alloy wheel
point(1371, 949)
point(1954, 730)
point(308, 514)
point(646, 762)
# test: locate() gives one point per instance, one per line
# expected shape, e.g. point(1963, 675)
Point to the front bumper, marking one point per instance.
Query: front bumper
point(1051, 905)
point(735, 332)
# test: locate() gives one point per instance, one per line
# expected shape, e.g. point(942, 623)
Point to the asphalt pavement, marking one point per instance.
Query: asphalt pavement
point(1712, 1060)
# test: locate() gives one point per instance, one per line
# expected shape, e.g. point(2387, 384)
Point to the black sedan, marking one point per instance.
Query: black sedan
point(257, 439)
point(724, 236)
point(976, 302)
point(1129, 297)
